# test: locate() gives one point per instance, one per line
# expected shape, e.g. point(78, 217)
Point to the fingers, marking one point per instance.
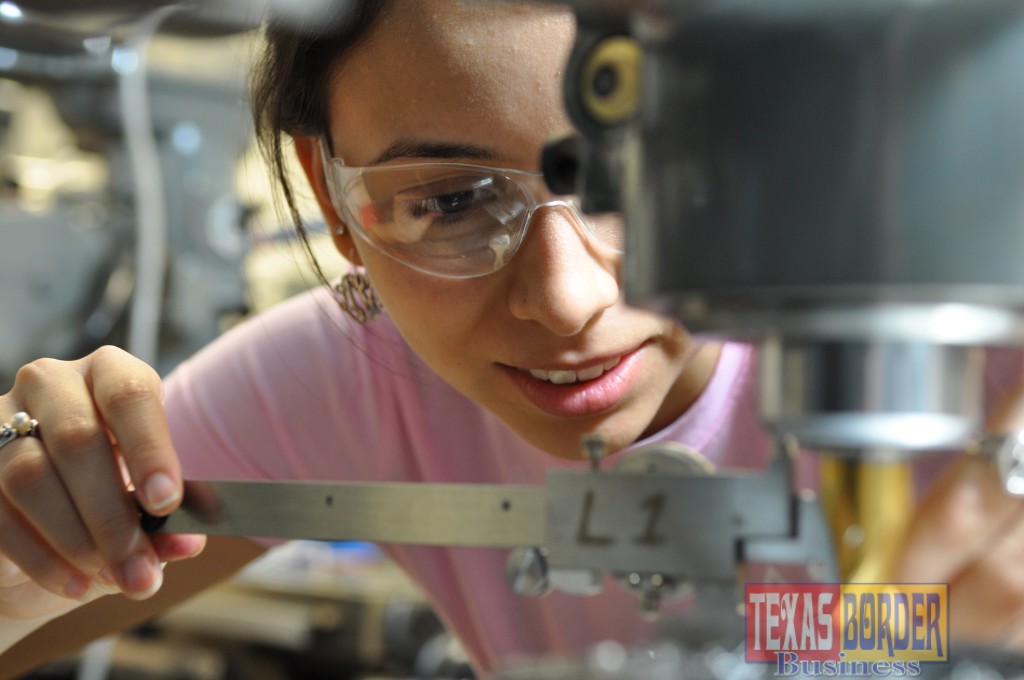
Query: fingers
point(35, 559)
point(967, 510)
point(65, 547)
point(10, 574)
point(969, 532)
point(75, 456)
point(988, 595)
point(67, 520)
point(127, 394)
point(1013, 638)
point(176, 547)
point(1008, 413)
point(963, 513)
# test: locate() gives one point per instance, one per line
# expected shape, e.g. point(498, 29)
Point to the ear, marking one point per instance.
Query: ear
point(308, 150)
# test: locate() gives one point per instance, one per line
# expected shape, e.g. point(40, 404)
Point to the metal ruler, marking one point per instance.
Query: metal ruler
point(496, 516)
point(692, 525)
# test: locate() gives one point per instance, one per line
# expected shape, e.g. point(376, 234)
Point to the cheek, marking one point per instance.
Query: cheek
point(406, 297)
point(436, 316)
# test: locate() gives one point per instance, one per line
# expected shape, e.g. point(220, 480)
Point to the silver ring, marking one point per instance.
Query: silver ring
point(1005, 452)
point(21, 425)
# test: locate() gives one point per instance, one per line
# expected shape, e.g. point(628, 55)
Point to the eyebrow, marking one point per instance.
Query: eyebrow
point(423, 149)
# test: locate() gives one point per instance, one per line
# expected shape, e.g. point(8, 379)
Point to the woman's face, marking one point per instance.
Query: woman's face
point(486, 78)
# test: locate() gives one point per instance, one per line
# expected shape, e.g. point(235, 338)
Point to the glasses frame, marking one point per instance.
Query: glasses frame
point(337, 175)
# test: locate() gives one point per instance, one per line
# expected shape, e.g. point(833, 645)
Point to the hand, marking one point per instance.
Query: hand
point(69, 527)
point(969, 533)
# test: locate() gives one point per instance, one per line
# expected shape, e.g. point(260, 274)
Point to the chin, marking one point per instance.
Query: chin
point(617, 434)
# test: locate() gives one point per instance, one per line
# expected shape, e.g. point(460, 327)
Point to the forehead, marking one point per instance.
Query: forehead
point(468, 72)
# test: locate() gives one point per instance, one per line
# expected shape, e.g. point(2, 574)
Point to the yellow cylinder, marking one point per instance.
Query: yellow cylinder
point(610, 80)
point(868, 505)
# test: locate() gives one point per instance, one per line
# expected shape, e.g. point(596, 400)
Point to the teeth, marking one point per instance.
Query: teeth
point(562, 377)
point(611, 363)
point(557, 377)
point(566, 377)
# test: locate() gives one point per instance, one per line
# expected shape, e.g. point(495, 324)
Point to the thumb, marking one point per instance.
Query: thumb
point(965, 510)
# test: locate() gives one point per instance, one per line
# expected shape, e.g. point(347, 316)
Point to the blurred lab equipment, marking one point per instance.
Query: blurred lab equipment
point(838, 182)
point(150, 257)
point(841, 184)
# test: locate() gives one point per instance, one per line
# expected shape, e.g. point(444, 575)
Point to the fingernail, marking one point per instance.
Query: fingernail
point(106, 576)
point(198, 544)
point(187, 546)
point(77, 587)
point(159, 491)
point(141, 576)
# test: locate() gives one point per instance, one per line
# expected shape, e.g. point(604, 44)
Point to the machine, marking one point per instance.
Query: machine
point(841, 183)
point(150, 257)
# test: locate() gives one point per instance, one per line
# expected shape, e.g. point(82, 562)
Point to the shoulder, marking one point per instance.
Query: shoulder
point(305, 338)
point(298, 391)
point(303, 392)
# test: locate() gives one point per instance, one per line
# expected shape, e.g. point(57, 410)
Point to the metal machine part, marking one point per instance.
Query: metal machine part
point(429, 514)
point(659, 522)
point(196, 135)
point(56, 28)
point(802, 173)
point(171, 149)
point(711, 660)
point(834, 157)
point(57, 285)
point(685, 530)
point(869, 504)
point(872, 399)
point(839, 184)
point(1006, 452)
point(205, 240)
point(529, 573)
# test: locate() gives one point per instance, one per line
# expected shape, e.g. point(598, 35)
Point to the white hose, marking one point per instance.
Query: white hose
point(129, 61)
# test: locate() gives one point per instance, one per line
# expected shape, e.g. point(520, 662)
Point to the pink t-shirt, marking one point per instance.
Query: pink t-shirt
point(302, 393)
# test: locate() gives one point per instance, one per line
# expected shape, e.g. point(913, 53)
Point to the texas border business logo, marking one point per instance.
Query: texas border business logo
point(847, 629)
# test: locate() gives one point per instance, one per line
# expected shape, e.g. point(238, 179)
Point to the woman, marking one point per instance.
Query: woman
point(498, 350)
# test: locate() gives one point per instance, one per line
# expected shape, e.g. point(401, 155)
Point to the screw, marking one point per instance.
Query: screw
point(595, 447)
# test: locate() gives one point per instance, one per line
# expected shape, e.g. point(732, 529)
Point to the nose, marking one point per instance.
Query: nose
point(563, 278)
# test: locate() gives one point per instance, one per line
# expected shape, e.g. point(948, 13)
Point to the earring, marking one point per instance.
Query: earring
point(357, 298)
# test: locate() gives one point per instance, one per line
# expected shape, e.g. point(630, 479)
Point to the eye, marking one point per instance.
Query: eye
point(451, 203)
point(452, 197)
point(451, 207)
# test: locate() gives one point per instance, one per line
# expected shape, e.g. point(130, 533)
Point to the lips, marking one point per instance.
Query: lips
point(578, 392)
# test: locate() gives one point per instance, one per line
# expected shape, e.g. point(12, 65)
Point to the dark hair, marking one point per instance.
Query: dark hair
point(289, 84)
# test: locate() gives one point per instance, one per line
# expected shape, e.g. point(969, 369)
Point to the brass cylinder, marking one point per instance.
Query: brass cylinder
point(869, 505)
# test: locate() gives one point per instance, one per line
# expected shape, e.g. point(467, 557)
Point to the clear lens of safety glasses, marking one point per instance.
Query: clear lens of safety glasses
point(449, 219)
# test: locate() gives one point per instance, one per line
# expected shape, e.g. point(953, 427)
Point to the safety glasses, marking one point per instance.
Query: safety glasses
point(453, 220)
